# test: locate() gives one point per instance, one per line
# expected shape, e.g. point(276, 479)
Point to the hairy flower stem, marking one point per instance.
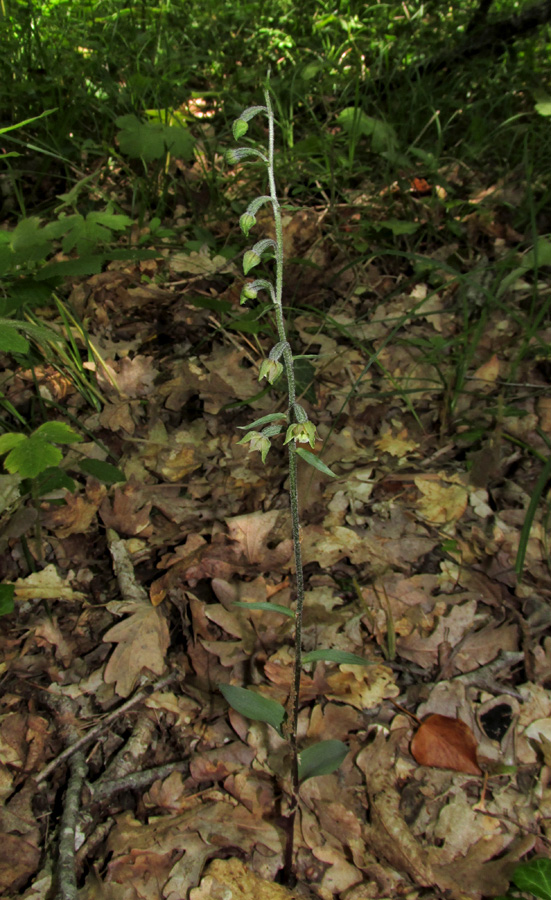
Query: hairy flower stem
point(290, 728)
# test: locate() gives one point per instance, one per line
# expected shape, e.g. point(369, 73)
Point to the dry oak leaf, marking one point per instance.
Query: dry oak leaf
point(231, 878)
point(360, 686)
point(252, 532)
point(445, 743)
point(442, 502)
point(118, 416)
point(485, 377)
point(128, 513)
point(46, 585)
point(76, 516)
point(399, 445)
point(142, 641)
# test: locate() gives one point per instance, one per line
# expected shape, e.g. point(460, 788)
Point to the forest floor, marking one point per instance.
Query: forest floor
point(431, 397)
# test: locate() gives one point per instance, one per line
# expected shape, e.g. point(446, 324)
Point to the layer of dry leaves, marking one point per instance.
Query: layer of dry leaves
point(410, 555)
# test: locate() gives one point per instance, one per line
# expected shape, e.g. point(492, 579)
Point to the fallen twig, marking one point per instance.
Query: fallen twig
point(66, 869)
point(99, 729)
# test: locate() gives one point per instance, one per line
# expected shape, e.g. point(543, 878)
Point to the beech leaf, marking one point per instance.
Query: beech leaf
point(445, 743)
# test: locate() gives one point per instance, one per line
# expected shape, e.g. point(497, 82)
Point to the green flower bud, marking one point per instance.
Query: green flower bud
point(270, 369)
point(239, 128)
point(250, 260)
point(246, 222)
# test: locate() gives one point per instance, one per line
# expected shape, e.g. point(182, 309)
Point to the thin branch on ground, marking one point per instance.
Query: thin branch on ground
point(98, 730)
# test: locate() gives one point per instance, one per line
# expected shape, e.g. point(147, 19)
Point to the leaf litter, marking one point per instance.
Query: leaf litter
point(118, 644)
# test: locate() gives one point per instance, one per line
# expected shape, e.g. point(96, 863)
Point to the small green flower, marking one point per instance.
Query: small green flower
point(270, 369)
point(302, 433)
point(258, 442)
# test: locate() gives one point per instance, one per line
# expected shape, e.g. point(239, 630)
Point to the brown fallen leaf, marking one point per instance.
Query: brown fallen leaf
point(142, 641)
point(445, 743)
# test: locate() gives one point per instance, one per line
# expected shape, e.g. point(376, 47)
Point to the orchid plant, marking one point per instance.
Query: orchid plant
point(325, 756)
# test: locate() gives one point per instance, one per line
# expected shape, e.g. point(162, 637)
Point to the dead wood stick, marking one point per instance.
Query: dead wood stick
point(66, 870)
point(102, 789)
point(99, 729)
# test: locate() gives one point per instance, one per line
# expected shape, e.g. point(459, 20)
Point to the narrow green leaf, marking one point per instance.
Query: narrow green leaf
point(337, 656)
point(269, 607)
point(314, 461)
point(534, 876)
point(103, 471)
point(321, 759)
point(265, 420)
point(529, 517)
point(254, 706)
point(6, 598)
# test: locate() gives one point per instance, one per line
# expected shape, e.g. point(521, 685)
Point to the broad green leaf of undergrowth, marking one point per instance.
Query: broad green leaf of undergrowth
point(254, 706)
point(51, 479)
point(151, 140)
point(140, 140)
point(321, 759)
point(30, 456)
point(356, 121)
point(534, 876)
point(10, 339)
point(87, 233)
point(29, 242)
point(58, 432)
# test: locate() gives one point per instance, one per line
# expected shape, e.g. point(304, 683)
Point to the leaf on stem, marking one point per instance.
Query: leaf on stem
point(321, 759)
point(254, 706)
point(269, 607)
point(314, 461)
point(337, 656)
point(265, 420)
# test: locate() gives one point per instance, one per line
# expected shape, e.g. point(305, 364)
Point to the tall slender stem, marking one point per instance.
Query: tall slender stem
point(294, 697)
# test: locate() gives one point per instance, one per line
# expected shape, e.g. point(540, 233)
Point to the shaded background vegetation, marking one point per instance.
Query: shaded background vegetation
point(93, 62)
